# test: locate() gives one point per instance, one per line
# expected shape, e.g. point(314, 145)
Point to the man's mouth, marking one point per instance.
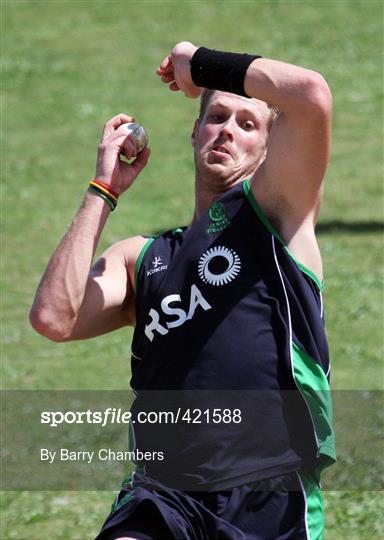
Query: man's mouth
point(222, 150)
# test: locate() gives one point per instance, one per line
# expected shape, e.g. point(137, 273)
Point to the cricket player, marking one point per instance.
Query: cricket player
point(228, 309)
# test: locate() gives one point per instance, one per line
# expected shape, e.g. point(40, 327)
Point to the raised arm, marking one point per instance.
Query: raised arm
point(288, 182)
point(76, 300)
point(299, 143)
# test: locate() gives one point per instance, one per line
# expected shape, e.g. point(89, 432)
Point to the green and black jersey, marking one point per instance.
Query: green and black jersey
point(228, 320)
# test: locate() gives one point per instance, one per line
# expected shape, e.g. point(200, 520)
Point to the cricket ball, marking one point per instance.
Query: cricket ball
point(139, 135)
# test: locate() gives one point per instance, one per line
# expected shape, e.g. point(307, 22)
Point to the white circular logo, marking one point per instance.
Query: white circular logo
point(219, 265)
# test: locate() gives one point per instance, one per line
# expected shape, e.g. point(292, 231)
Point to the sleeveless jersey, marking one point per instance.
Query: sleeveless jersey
point(229, 337)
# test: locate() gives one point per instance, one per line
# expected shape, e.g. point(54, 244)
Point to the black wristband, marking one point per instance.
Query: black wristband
point(220, 70)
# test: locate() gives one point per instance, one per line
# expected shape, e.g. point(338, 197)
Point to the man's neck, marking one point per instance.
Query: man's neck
point(204, 198)
point(206, 193)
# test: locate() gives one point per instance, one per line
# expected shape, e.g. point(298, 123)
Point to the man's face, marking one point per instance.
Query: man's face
point(230, 140)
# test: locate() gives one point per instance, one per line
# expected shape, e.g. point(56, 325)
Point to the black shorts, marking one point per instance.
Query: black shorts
point(280, 508)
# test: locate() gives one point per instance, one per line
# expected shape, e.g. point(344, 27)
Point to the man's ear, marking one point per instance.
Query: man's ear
point(194, 132)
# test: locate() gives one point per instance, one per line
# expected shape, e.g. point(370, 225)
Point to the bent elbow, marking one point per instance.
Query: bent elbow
point(45, 325)
point(317, 93)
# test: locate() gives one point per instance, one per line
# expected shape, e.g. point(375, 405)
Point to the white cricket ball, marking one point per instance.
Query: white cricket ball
point(139, 135)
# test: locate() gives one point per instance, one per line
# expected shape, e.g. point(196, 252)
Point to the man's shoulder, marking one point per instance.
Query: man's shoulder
point(134, 248)
point(130, 248)
point(127, 251)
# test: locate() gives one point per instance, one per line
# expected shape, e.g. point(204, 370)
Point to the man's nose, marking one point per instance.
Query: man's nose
point(227, 129)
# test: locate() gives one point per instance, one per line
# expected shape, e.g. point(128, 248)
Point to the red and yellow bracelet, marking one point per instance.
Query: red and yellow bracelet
point(105, 192)
point(105, 186)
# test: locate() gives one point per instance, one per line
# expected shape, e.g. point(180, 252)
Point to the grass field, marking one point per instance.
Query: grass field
point(67, 67)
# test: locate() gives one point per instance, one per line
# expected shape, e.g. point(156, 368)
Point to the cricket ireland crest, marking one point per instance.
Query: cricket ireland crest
point(218, 215)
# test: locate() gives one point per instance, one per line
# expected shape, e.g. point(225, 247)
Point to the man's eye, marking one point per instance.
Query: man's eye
point(248, 125)
point(217, 118)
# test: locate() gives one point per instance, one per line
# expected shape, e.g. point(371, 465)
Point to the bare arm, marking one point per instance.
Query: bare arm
point(288, 183)
point(74, 300)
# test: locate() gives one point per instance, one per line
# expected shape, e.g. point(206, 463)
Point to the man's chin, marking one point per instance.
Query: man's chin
point(219, 174)
point(218, 177)
point(221, 169)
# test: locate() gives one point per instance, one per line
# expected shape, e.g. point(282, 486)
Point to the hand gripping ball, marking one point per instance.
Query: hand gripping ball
point(139, 135)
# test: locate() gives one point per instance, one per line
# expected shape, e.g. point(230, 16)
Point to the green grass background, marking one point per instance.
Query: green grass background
point(68, 66)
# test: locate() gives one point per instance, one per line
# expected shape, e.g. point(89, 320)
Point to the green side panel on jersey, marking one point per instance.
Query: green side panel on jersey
point(131, 438)
point(314, 518)
point(141, 257)
point(132, 447)
point(313, 384)
point(127, 483)
point(264, 220)
point(117, 505)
